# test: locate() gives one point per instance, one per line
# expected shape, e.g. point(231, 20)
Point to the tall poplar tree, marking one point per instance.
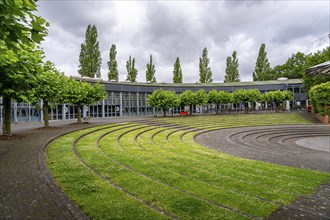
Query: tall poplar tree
point(150, 72)
point(112, 64)
point(177, 71)
point(90, 56)
point(262, 69)
point(205, 73)
point(232, 74)
point(131, 71)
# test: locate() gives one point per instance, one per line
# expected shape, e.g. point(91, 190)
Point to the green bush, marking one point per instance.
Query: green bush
point(320, 98)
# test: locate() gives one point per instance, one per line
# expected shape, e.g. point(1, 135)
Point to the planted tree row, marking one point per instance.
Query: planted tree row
point(165, 99)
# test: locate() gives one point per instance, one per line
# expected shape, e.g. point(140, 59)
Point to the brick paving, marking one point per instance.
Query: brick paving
point(26, 188)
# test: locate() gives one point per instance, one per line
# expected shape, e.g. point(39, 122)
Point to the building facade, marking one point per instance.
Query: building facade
point(130, 99)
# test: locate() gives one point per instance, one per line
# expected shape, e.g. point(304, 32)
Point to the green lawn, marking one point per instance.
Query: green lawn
point(156, 170)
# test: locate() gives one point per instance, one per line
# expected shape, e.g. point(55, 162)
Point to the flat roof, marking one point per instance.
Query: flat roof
point(163, 84)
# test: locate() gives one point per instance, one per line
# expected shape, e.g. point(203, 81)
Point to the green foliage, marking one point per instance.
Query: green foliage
point(245, 96)
point(131, 70)
point(18, 27)
point(205, 73)
point(150, 72)
point(293, 68)
point(77, 92)
point(17, 79)
point(320, 98)
point(164, 99)
point(201, 97)
point(278, 97)
point(164, 166)
point(49, 84)
point(20, 60)
point(177, 71)
point(112, 64)
point(213, 97)
point(262, 69)
point(90, 56)
point(232, 74)
point(49, 87)
point(187, 98)
point(220, 97)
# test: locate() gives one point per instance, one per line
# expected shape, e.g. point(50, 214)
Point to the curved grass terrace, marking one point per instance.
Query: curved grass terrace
point(154, 169)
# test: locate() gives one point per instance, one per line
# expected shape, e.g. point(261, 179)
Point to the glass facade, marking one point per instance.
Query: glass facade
point(134, 103)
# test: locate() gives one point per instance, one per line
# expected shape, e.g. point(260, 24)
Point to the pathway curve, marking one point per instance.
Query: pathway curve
point(26, 189)
point(288, 145)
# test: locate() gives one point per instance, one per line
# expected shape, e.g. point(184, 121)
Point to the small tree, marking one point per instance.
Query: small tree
point(48, 88)
point(246, 96)
point(262, 69)
point(163, 99)
point(188, 98)
point(131, 70)
point(201, 97)
point(205, 73)
point(214, 98)
point(150, 72)
point(225, 97)
point(177, 71)
point(278, 97)
point(112, 64)
point(80, 93)
point(232, 74)
point(90, 56)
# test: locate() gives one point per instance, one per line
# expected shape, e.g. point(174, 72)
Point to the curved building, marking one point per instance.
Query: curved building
point(130, 99)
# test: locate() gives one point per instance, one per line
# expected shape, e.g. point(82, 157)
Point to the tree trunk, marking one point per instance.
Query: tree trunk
point(190, 110)
point(164, 112)
point(217, 109)
point(6, 126)
point(79, 113)
point(45, 111)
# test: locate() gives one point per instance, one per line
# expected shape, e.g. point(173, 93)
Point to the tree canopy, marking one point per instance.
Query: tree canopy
point(112, 64)
point(177, 71)
point(20, 60)
point(262, 68)
point(163, 99)
point(131, 70)
point(18, 27)
point(205, 73)
point(232, 74)
point(150, 72)
point(79, 93)
point(90, 56)
point(49, 88)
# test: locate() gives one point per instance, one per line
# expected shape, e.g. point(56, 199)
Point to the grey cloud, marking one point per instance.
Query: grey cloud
point(166, 33)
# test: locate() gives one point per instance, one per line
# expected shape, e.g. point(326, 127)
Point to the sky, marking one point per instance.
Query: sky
point(171, 29)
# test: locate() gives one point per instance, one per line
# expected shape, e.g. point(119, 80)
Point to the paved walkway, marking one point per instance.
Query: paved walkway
point(282, 145)
point(26, 190)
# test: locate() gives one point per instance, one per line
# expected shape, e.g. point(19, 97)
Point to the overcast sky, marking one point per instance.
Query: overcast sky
point(170, 29)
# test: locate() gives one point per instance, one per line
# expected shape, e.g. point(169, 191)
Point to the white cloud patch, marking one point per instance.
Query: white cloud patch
point(182, 29)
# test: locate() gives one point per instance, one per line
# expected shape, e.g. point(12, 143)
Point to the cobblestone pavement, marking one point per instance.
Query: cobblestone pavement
point(26, 189)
